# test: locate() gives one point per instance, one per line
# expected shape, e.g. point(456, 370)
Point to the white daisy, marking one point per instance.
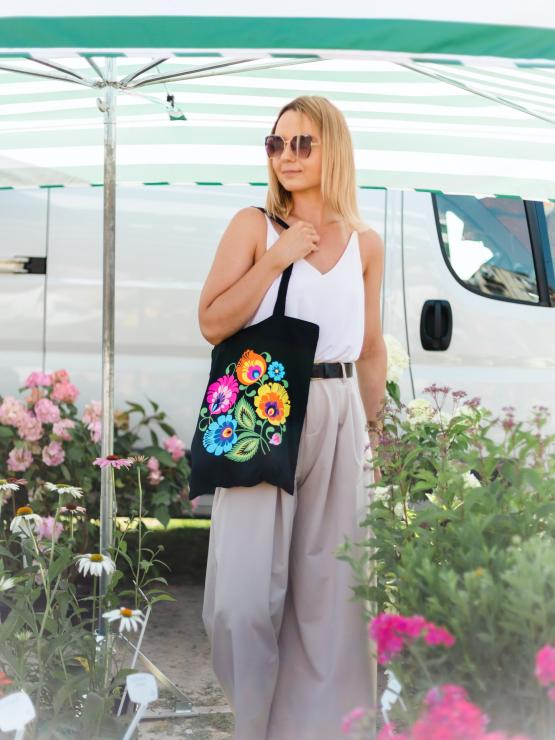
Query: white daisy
point(5, 486)
point(25, 521)
point(95, 563)
point(60, 488)
point(129, 619)
point(6, 583)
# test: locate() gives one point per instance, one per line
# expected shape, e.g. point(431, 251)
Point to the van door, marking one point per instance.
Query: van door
point(479, 310)
point(23, 245)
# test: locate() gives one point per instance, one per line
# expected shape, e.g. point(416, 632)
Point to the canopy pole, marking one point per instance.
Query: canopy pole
point(107, 494)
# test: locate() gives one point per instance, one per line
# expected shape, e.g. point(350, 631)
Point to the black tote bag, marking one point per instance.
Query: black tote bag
point(250, 422)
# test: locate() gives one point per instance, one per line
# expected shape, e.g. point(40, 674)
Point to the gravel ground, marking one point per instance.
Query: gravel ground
point(175, 641)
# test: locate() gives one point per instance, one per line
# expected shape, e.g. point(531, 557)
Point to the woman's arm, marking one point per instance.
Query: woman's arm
point(236, 283)
point(372, 363)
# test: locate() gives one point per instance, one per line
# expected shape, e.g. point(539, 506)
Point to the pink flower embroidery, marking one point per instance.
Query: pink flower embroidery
point(275, 439)
point(221, 394)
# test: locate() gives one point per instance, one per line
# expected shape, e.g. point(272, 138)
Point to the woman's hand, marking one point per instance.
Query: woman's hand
point(296, 242)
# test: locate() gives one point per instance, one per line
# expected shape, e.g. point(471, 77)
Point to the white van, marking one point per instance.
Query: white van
point(469, 290)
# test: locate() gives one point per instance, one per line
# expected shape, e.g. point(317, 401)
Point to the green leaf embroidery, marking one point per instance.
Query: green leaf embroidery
point(244, 450)
point(244, 414)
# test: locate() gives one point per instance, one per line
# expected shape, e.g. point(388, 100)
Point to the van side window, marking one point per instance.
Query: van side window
point(549, 210)
point(486, 242)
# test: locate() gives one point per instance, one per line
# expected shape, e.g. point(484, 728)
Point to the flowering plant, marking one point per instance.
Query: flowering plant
point(462, 532)
point(52, 645)
point(44, 436)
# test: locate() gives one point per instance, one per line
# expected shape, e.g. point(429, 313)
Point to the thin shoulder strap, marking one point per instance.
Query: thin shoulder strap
point(279, 307)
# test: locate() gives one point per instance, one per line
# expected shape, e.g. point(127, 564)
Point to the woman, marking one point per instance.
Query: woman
point(289, 644)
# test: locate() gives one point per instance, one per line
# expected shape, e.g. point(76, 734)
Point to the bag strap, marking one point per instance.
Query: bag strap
point(279, 307)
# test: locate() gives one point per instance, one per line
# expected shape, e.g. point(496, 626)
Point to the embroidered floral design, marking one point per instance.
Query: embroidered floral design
point(250, 367)
point(220, 435)
point(272, 403)
point(222, 394)
point(276, 371)
point(244, 406)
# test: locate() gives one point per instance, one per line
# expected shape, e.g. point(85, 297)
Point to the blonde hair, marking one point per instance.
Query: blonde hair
point(338, 184)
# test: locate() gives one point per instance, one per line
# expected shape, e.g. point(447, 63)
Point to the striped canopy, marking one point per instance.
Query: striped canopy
point(460, 100)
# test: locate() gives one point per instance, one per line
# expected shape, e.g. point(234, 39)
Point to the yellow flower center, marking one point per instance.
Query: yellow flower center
point(126, 612)
point(97, 557)
point(23, 510)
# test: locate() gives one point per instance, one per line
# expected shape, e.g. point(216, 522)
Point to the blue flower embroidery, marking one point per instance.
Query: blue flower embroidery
point(276, 371)
point(220, 435)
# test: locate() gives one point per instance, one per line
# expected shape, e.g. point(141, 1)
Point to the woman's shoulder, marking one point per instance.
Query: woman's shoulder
point(371, 246)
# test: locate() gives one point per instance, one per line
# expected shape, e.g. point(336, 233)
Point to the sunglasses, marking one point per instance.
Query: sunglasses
point(301, 145)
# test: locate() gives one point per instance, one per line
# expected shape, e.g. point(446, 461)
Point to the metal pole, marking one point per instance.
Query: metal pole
point(108, 290)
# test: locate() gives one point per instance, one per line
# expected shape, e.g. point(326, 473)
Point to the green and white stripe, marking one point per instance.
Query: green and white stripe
point(434, 100)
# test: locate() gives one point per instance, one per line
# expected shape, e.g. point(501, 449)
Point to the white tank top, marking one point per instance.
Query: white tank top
point(334, 300)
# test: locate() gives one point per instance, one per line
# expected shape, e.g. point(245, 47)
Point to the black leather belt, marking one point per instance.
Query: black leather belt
point(332, 370)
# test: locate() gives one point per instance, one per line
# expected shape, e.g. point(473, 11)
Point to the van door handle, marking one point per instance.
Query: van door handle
point(23, 266)
point(436, 325)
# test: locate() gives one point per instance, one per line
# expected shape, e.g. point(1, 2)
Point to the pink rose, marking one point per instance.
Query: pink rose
point(29, 427)
point(45, 528)
point(34, 395)
point(60, 376)
point(38, 378)
point(155, 477)
point(91, 412)
point(60, 429)
point(19, 459)
point(64, 392)
point(11, 411)
point(53, 454)
point(46, 411)
point(175, 446)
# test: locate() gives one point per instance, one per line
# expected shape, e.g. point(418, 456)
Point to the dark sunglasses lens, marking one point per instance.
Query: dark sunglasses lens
point(302, 145)
point(274, 145)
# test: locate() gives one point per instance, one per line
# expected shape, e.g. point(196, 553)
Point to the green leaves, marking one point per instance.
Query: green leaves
point(244, 449)
point(245, 415)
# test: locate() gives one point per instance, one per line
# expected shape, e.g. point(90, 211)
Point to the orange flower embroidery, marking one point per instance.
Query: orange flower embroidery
point(250, 367)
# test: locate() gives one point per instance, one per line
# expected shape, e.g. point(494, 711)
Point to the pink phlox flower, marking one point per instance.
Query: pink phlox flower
point(434, 635)
point(11, 411)
point(352, 718)
point(114, 461)
point(19, 459)
point(64, 392)
point(45, 528)
point(449, 716)
point(175, 446)
point(53, 454)
point(60, 429)
point(392, 631)
point(46, 411)
point(545, 665)
point(38, 378)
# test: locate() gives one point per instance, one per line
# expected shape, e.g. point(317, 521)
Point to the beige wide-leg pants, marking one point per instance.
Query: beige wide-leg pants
point(289, 646)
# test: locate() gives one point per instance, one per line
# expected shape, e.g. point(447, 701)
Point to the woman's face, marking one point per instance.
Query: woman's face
point(298, 174)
